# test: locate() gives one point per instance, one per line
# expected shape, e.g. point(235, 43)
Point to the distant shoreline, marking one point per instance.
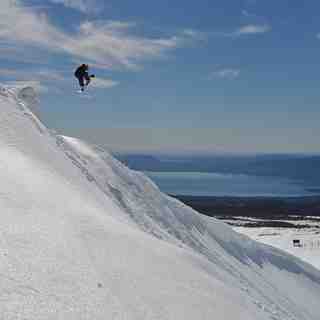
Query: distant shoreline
point(256, 207)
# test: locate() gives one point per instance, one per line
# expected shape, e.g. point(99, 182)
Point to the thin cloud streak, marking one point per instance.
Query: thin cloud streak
point(252, 29)
point(227, 73)
point(86, 6)
point(39, 75)
point(103, 83)
point(108, 44)
point(246, 30)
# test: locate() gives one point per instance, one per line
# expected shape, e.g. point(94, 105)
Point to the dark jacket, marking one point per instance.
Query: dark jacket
point(82, 72)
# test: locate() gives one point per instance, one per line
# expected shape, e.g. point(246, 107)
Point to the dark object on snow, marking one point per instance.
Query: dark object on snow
point(82, 74)
point(297, 243)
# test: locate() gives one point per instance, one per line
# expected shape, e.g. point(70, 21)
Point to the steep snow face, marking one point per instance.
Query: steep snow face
point(83, 237)
point(247, 265)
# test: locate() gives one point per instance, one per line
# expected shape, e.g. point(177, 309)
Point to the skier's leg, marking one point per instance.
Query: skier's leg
point(87, 78)
point(81, 83)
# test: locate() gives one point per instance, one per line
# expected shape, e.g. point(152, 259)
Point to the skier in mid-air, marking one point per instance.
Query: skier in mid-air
point(82, 74)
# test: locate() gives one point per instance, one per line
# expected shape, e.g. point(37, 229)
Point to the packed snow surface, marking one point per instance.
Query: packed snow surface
point(309, 249)
point(84, 237)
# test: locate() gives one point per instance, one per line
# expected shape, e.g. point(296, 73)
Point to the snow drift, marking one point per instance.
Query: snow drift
point(84, 237)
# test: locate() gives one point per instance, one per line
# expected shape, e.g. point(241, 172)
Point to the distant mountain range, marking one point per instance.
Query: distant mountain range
point(302, 168)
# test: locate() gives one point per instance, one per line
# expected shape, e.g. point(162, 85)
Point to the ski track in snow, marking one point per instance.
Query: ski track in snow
point(84, 237)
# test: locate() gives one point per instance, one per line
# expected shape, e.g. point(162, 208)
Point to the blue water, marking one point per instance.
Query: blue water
point(215, 184)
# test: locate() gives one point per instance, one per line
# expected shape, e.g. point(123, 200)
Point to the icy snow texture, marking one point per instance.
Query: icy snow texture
point(84, 237)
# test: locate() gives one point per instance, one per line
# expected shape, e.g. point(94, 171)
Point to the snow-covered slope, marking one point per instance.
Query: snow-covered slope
point(282, 238)
point(83, 237)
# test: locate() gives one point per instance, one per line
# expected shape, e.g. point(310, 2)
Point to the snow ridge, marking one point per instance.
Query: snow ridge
point(84, 237)
point(170, 220)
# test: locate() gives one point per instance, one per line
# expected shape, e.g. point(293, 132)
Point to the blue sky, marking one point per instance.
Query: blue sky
point(172, 76)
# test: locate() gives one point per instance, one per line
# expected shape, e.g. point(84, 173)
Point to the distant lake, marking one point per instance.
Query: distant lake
point(236, 185)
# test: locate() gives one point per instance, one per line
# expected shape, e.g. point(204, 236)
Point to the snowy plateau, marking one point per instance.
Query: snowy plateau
point(309, 240)
point(82, 237)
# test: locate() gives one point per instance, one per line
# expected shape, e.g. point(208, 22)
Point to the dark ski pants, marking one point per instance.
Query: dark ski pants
point(81, 81)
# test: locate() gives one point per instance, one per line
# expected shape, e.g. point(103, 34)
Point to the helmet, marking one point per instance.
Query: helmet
point(85, 66)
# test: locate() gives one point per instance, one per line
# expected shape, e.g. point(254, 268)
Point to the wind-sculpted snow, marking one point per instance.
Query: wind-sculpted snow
point(84, 237)
point(170, 220)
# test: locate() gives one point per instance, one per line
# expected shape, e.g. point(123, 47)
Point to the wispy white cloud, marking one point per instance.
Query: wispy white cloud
point(103, 83)
point(252, 29)
point(227, 73)
point(111, 44)
point(246, 30)
point(81, 5)
point(39, 75)
point(36, 85)
point(106, 44)
point(10, 73)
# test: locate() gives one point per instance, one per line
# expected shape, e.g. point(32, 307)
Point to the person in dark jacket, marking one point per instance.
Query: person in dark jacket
point(82, 74)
